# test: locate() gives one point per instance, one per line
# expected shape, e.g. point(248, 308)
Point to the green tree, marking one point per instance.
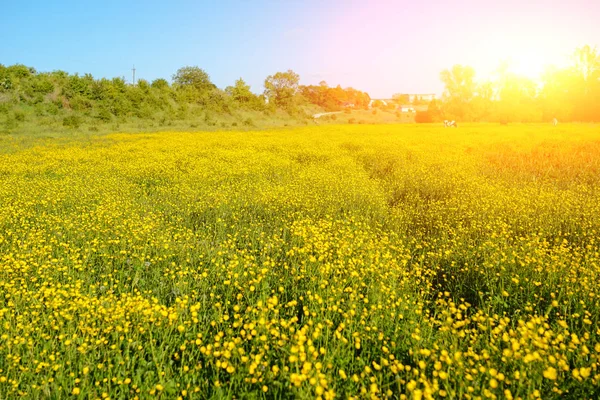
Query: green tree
point(586, 66)
point(482, 104)
point(401, 98)
point(240, 92)
point(160, 83)
point(460, 89)
point(193, 77)
point(282, 87)
point(557, 96)
point(587, 63)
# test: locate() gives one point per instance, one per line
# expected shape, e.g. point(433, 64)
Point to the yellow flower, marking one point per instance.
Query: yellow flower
point(550, 373)
point(76, 391)
point(585, 372)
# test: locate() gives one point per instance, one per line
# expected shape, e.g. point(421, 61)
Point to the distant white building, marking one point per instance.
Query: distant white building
point(423, 97)
point(383, 101)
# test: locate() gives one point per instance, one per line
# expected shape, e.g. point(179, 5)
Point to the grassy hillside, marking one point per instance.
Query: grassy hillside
point(33, 102)
point(324, 262)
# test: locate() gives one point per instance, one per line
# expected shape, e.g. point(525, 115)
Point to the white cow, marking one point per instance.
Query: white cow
point(450, 124)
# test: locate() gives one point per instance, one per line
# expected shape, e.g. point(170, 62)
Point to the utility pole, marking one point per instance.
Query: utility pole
point(133, 69)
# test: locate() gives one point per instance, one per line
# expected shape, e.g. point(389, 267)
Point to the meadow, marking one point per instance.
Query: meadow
point(355, 261)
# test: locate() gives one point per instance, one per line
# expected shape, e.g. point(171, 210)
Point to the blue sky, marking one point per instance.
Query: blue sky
point(383, 47)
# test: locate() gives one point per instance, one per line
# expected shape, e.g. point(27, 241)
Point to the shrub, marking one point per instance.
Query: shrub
point(352, 121)
point(43, 86)
point(10, 122)
point(4, 108)
point(423, 117)
point(160, 83)
point(208, 119)
point(72, 121)
point(5, 83)
point(80, 103)
point(53, 108)
point(19, 116)
point(104, 115)
point(145, 111)
point(143, 85)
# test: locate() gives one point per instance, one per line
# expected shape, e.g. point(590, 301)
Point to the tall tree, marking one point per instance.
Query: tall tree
point(281, 88)
point(587, 63)
point(193, 77)
point(586, 66)
point(240, 92)
point(460, 89)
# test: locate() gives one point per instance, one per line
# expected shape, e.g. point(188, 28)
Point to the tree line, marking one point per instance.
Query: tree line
point(74, 97)
point(568, 94)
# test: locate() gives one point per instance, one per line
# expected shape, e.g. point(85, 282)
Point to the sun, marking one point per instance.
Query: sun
point(523, 56)
point(529, 65)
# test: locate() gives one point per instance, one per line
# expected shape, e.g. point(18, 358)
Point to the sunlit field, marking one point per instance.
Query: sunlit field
point(326, 262)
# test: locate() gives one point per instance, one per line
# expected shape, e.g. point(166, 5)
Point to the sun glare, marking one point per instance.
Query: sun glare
point(529, 65)
point(522, 56)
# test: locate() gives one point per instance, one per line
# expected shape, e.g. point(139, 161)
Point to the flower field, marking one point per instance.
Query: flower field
point(325, 262)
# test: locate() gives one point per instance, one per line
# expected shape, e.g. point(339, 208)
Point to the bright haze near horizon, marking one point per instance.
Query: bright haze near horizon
point(381, 47)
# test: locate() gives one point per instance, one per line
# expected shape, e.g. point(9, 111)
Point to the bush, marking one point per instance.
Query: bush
point(352, 121)
point(53, 108)
point(423, 117)
point(145, 111)
point(143, 85)
point(104, 115)
point(80, 103)
point(20, 70)
point(72, 121)
point(43, 86)
point(19, 116)
point(4, 108)
point(248, 122)
point(5, 83)
point(208, 120)
point(10, 122)
point(160, 83)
